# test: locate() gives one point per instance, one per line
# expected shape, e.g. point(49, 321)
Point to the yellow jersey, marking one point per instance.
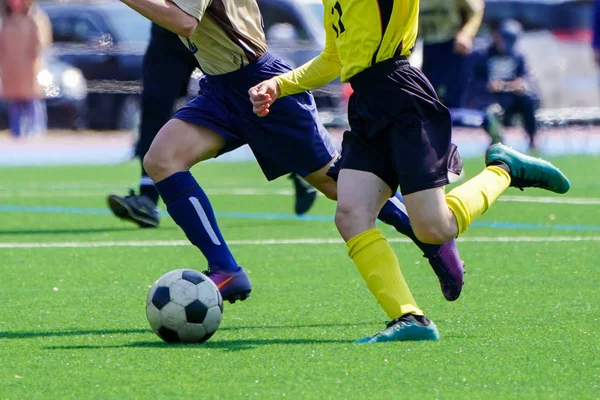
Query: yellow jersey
point(359, 34)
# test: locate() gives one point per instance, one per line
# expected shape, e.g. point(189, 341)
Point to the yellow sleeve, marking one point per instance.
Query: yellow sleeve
point(315, 73)
point(473, 10)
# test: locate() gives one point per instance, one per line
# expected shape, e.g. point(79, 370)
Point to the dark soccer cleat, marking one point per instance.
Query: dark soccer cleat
point(232, 285)
point(407, 327)
point(447, 265)
point(449, 268)
point(138, 209)
point(527, 171)
point(305, 195)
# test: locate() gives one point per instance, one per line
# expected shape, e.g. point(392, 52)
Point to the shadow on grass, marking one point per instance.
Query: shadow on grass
point(37, 334)
point(224, 344)
point(82, 332)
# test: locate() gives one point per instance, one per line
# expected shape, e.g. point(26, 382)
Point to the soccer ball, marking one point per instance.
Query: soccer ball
point(184, 306)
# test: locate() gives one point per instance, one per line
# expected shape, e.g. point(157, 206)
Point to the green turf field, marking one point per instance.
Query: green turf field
point(73, 324)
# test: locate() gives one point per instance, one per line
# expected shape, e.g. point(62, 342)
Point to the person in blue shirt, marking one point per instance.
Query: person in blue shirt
point(501, 80)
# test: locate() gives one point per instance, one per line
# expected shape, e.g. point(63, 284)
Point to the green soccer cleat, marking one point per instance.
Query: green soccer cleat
point(407, 327)
point(527, 171)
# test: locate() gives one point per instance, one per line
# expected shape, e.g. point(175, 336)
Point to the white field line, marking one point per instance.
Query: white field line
point(277, 242)
point(95, 192)
point(104, 193)
point(551, 200)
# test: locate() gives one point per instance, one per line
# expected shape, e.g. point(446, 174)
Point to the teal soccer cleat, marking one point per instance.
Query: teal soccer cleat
point(407, 327)
point(526, 171)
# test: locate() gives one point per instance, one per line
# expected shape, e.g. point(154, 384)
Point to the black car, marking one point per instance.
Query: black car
point(65, 93)
point(106, 41)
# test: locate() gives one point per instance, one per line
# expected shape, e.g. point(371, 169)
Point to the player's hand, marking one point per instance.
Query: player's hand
point(463, 44)
point(262, 96)
point(518, 86)
point(495, 86)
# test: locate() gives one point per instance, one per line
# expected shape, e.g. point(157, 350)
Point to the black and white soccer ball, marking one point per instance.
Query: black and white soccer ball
point(184, 306)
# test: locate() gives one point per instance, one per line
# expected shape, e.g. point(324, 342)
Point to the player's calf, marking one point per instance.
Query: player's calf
point(352, 221)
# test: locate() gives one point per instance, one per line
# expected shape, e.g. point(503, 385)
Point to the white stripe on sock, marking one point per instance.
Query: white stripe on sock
point(146, 181)
point(204, 219)
point(399, 205)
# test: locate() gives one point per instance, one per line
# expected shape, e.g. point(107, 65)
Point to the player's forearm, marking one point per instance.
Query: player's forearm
point(315, 73)
point(166, 14)
point(472, 23)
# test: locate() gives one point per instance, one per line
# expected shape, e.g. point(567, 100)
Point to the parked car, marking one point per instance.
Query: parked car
point(106, 40)
point(65, 95)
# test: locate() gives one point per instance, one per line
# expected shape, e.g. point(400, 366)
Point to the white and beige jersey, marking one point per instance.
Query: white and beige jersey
point(229, 33)
point(441, 20)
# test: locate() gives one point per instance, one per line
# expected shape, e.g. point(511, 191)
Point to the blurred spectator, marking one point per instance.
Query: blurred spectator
point(20, 50)
point(447, 28)
point(596, 41)
point(501, 80)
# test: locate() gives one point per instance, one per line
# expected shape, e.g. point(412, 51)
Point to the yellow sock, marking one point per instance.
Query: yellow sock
point(471, 199)
point(379, 267)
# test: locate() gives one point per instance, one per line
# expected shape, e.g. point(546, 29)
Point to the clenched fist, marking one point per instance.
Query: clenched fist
point(263, 95)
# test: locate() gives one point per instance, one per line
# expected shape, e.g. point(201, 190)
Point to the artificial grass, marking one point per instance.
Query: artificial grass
point(73, 322)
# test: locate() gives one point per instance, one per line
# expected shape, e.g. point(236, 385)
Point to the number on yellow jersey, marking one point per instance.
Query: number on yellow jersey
point(340, 28)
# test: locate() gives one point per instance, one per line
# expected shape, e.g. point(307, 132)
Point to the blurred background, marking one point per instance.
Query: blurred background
point(90, 74)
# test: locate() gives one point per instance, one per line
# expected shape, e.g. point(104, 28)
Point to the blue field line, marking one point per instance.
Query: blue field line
point(53, 210)
point(285, 217)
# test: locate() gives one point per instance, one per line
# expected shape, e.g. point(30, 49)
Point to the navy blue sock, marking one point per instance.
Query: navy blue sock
point(147, 187)
point(394, 213)
point(191, 210)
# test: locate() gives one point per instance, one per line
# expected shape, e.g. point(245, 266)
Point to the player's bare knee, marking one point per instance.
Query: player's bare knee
point(343, 222)
point(433, 234)
point(157, 165)
point(351, 221)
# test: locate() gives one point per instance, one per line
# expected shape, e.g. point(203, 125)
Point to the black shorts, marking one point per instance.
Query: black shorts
point(399, 130)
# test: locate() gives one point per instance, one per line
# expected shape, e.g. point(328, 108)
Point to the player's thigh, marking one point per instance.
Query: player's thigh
point(361, 195)
point(178, 146)
point(323, 182)
point(431, 219)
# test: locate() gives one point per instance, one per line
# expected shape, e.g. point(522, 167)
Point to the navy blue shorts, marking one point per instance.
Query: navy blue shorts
point(399, 130)
point(289, 139)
